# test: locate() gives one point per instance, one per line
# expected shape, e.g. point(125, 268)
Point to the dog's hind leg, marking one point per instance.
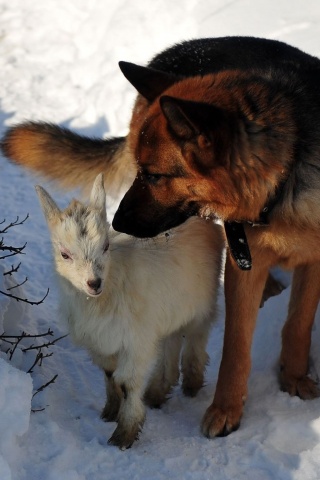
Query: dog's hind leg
point(194, 357)
point(296, 333)
point(166, 371)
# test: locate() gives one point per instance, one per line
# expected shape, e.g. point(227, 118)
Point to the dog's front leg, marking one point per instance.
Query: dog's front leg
point(296, 333)
point(243, 292)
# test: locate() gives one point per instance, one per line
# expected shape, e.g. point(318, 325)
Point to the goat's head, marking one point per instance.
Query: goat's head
point(80, 238)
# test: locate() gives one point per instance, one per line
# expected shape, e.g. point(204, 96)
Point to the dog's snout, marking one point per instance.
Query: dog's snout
point(122, 218)
point(95, 284)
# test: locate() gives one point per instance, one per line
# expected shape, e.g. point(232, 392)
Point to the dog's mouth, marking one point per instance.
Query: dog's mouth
point(147, 223)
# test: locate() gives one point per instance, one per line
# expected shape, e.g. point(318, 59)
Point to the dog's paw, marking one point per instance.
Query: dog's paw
point(218, 422)
point(304, 387)
point(124, 438)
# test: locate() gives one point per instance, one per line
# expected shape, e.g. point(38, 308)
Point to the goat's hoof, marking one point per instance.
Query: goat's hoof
point(110, 413)
point(123, 438)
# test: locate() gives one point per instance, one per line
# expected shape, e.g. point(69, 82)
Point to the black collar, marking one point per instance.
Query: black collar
point(237, 239)
point(238, 244)
point(236, 235)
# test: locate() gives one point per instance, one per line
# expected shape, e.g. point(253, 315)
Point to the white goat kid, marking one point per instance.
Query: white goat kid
point(130, 301)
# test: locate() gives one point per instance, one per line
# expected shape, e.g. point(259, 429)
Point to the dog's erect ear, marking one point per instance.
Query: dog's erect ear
point(149, 82)
point(49, 207)
point(189, 119)
point(98, 194)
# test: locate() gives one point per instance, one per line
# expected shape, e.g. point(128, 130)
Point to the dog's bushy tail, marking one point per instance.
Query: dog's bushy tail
point(72, 160)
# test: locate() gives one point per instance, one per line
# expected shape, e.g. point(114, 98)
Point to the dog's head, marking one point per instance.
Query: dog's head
point(173, 147)
point(191, 147)
point(174, 151)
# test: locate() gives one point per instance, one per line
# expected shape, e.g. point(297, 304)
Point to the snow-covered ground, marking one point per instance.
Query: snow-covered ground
point(58, 62)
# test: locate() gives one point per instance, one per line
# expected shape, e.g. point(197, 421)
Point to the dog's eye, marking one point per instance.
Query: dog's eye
point(106, 247)
point(65, 256)
point(153, 178)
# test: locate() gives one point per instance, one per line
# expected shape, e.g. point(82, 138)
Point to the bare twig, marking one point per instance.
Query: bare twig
point(14, 224)
point(37, 360)
point(14, 250)
point(15, 341)
point(28, 335)
point(44, 345)
point(18, 284)
point(13, 270)
point(40, 389)
point(14, 348)
point(19, 299)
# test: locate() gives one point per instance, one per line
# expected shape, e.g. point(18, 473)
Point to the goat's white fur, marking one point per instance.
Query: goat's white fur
point(151, 293)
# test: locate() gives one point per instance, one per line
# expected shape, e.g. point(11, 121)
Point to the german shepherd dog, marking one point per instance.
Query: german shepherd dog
point(224, 128)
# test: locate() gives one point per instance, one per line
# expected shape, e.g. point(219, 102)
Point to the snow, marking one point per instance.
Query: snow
point(59, 63)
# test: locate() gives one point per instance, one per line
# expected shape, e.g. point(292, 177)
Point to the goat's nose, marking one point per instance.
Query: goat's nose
point(95, 284)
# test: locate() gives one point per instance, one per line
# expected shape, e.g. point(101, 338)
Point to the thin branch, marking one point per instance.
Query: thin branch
point(14, 348)
point(28, 335)
point(47, 355)
point(14, 250)
point(45, 345)
point(13, 270)
point(7, 341)
point(15, 340)
point(19, 299)
point(18, 284)
point(37, 360)
point(40, 389)
point(14, 224)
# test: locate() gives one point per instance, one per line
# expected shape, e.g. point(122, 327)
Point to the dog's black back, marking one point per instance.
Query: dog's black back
point(210, 55)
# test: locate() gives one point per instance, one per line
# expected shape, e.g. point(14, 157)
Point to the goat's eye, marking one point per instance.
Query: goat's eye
point(65, 256)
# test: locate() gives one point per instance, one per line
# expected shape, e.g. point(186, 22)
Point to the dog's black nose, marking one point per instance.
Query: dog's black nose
point(94, 284)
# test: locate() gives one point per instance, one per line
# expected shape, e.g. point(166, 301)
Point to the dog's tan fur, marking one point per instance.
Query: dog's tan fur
point(56, 153)
point(230, 169)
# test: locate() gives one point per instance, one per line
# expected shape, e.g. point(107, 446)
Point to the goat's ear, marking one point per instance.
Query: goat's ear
point(49, 207)
point(98, 194)
point(149, 82)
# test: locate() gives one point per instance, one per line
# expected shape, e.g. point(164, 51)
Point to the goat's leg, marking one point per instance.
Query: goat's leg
point(130, 376)
point(166, 372)
point(194, 356)
point(114, 394)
